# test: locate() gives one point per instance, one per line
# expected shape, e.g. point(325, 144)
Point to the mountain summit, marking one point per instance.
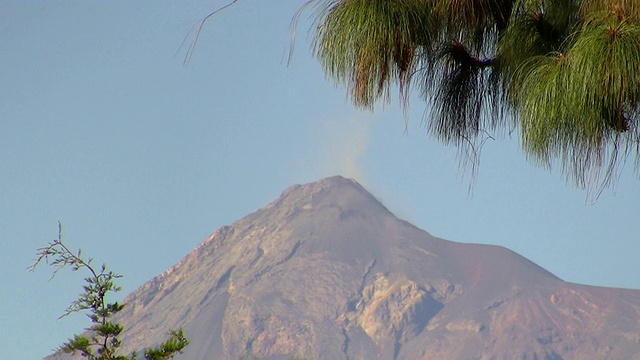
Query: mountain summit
point(327, 272)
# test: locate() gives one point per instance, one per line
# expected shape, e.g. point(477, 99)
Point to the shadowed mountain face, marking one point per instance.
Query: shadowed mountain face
point(327, 272)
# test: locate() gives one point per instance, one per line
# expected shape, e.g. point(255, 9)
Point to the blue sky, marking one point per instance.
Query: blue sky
point(141, 157)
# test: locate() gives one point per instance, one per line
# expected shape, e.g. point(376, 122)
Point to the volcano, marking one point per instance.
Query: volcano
point(327, 272)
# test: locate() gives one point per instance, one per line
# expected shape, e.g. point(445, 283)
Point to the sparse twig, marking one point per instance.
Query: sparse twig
point(101, 341)
point(193, 44)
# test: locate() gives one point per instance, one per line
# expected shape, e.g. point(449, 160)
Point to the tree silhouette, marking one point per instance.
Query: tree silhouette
point(102, 339)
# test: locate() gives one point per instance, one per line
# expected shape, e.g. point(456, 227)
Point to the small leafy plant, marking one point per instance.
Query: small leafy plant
point(102, 339)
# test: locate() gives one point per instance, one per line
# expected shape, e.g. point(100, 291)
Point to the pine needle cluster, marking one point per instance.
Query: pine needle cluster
point(566, 73)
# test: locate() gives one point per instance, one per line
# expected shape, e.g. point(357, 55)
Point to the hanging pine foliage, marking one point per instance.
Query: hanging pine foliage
point(565, 72)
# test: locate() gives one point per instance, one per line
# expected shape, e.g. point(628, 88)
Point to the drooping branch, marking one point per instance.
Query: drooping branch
point(200, 25)
point(370, 44)
point(481, 63)
point(460, 55)
point(459, 89)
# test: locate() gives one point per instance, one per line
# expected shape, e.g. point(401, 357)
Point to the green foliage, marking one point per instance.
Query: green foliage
point(169, 348)
point(367, 44)
point(565, 72)
point(102, 339)
point(582, 105)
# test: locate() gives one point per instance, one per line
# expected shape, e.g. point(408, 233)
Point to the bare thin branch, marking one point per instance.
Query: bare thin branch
point(192, 46)
point(293, 27)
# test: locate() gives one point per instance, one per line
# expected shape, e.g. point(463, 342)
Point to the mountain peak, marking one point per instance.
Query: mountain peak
point(327, 272)
point(335, 191)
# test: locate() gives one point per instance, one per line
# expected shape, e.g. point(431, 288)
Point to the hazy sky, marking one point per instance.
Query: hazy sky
point(141, 157)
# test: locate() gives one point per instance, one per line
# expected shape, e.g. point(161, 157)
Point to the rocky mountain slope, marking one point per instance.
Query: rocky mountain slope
point(327, 272)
